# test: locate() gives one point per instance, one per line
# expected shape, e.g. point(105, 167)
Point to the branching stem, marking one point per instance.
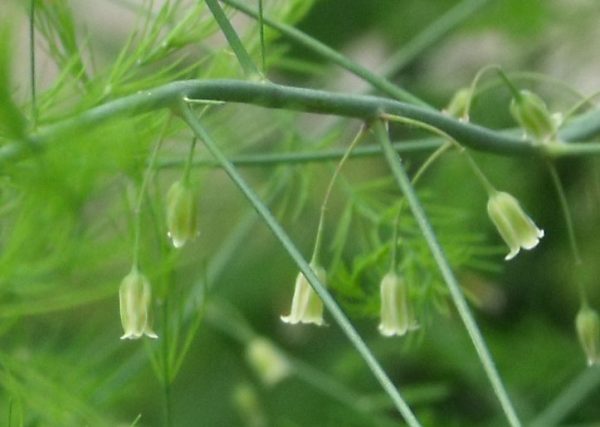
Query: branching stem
point(446, 271)
point(304, 267)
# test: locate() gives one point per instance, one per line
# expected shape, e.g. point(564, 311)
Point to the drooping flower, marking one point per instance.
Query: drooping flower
point(181, 214)
point(459, 104)
point(587, 324)
point(513, 224)
point(135, 299)
point(531, 112)
point(267, 361)
point(396, 315)
point(307, 307)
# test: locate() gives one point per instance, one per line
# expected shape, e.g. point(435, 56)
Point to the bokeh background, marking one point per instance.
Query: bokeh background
point(65, 228)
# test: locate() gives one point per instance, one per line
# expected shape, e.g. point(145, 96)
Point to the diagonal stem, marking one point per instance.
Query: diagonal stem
point(446, 271)
point(378, 82)
point(250, 69)
point(291, 249)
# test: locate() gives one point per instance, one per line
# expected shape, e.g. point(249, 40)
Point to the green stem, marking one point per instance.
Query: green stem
point(571, 396)
point(446, 271)
point(434, 32)
point(566, 211)
point(233, 39)
point(271, 95)
point(261, 26)
point(166, 363)
point(188, 164)
point(564, 205)
point(32, 72)
point(336, 172)
point(422, 169)
point(304, 267)
point(137, 213)
point(483, 179)
point(513, 89)
point(475, 82)
point(332, 55)
point(478, 172)
point(296, 157)
point(227, 319)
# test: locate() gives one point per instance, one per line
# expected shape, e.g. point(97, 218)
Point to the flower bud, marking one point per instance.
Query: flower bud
point(513, 224)
point(588, 330)
point(459, 104)
point(530, 111)
point(396, 316)
point(267, 361)
point(181, 214)
point(307, 307)
point(135, 300)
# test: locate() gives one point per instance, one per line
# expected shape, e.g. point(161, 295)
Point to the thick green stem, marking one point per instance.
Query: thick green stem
point(304, 267)
point(446, 271)
point(272, 95)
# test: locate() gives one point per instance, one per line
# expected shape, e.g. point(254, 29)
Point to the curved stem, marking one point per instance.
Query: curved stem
point(304, 267)
point(483, 179)
point(336, 172)
point(422, 169)
point(564, 205)
point(446, 271)
point(137, 220)
point(566, 211)
point(272, 95)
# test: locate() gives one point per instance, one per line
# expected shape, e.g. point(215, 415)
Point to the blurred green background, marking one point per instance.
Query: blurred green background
point(66, 227)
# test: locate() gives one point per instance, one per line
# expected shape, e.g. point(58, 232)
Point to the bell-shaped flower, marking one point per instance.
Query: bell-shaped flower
point(135, 299)
point(459, 104)
point(396, 314)
point(181, 214)
point(530, 111)
point(588, 330)
point(307, 307)
point(513, 224)
point(268, 362)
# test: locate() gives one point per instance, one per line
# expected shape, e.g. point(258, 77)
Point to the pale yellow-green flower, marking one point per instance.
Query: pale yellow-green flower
point(307, 307)
point(267, 361)
point(513, 224)
point(135, 299)
point(396, 317)
point(181, 214)
point(530, 111)
point(588, 330)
